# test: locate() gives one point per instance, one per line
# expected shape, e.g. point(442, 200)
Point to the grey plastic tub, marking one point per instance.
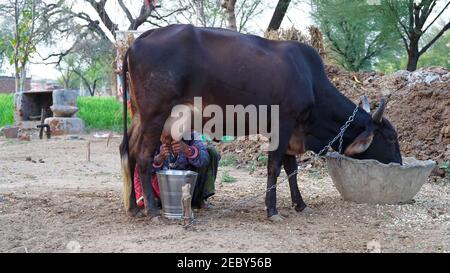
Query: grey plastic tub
point(369, 181)
point(170, 183)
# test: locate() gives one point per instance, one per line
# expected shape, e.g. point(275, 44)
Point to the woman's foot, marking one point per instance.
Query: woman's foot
point(206, 205)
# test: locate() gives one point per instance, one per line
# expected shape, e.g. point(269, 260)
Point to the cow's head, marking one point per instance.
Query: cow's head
point(379, 141)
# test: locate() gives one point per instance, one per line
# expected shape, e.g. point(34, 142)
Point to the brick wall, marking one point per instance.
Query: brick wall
point(8, 84)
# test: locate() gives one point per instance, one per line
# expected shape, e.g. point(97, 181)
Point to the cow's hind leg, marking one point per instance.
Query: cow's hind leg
point(129, 198)
point(274, 169)
point(148, 147)
point(290, 166)
point(145, 166)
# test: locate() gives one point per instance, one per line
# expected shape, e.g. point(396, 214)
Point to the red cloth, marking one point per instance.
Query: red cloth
point(138, 189)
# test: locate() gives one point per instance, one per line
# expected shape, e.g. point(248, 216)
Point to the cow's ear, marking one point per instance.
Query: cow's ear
point(360, 144)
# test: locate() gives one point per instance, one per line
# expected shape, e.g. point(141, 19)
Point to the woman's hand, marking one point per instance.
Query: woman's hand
point(164, 153)
point(181, 147)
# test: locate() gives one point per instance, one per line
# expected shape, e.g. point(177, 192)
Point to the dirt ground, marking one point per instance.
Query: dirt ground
point(56, 201)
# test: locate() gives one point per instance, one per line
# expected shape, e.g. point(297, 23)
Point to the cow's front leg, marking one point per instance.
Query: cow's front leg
point(274, 169)
point(290, 166)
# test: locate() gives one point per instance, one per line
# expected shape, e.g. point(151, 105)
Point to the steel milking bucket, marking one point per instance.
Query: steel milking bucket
point(170, 183)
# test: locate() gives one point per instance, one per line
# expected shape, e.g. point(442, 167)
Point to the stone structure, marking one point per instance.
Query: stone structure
point(28, 105)
point(64, 109)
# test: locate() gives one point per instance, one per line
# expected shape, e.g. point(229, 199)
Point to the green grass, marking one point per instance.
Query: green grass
point(251, 168)
point(6, 109)
point(228, 160)
point(101, 113)
point(446, 167)
point(227, 178)
point(314, 174)
point(263, 159)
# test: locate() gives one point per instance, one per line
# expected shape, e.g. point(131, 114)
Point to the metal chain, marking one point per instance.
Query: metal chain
point(339, 136)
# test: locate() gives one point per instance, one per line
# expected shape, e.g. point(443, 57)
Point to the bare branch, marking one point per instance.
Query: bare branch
point(440, 13)
point(127, 11)
point(443, 30)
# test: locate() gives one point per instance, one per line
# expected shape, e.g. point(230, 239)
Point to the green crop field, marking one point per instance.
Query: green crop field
point(99, 113)
point(6, 109)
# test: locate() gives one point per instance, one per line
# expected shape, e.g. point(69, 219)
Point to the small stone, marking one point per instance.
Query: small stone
point(24, 137)
point(438, 172)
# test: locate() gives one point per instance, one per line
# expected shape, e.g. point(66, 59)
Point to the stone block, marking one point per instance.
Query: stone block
point(65, 126)
point(65, 97)
point(64, 111)
point(10, 131)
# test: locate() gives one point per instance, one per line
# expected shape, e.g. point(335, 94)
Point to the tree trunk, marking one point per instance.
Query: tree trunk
point(412, 63)
point(23, 78)
point(17, 81)
point(229, 6)
point(413, 54)
point(278, 15)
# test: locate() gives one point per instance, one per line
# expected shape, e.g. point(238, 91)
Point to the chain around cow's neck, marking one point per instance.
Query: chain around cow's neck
point(340, 136)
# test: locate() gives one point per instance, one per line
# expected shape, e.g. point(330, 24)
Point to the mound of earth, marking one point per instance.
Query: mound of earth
point(418, 106)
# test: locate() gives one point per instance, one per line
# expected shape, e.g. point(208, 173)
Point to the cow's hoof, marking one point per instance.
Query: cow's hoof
point(135, 212)
point(306, 211)
point(276, 218)
point(140, 214)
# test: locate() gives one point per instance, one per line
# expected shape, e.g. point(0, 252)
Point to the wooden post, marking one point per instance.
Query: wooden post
point(109, 138)
point(186, 200)
point(89, 151)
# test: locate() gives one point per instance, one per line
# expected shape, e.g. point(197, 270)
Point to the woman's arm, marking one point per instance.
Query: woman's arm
point(158, 162)
point(196, 154)
point(199, 156)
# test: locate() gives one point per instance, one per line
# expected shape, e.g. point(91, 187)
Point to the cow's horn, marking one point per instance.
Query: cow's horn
point(378, 115)
point(365, 104)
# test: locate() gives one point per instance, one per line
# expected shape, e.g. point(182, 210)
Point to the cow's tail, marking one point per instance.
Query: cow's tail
point(124, 152)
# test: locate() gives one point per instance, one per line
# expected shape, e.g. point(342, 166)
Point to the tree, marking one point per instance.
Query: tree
point(205, 13)
point(233, 14)
point(148, 14)
point(5, 45)
point(439, 53)
point(413, 19)
point(92, 68)
point(278, 15)
point(229, 6)
point(246, 11)
point(68, 78)
point(355, 30)
point(34, 22)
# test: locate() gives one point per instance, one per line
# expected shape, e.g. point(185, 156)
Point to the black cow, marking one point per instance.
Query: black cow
point(172, 65)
